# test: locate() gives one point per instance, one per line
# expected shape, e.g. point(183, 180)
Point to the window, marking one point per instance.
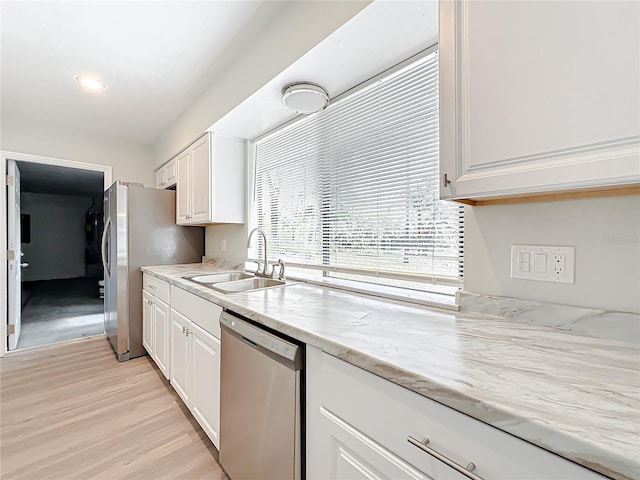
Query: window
point(351, 193)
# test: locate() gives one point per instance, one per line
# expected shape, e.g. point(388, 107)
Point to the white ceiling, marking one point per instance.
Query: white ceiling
point(156, 58)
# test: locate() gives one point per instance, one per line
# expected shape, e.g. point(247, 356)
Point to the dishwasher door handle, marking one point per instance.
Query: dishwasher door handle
point(249, 342)
point(276, 347)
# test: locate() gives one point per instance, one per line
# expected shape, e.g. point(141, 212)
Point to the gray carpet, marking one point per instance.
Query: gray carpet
point(59, 310)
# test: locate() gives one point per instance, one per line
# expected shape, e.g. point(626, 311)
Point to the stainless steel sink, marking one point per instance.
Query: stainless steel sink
point(247, 284)
point(233, 282)
point(220, 277)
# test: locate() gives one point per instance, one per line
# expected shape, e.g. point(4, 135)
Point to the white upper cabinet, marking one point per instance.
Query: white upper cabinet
point(538, 97)
point(210, 181)
point(166, 176)
point(183, 194)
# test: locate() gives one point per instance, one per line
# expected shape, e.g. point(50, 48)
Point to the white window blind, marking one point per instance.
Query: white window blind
point(352, 191)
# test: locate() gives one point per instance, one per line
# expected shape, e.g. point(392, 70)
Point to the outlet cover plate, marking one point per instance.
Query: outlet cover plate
point(544, 263)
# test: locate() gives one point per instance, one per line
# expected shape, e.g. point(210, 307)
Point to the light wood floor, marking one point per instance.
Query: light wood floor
point(73, 412)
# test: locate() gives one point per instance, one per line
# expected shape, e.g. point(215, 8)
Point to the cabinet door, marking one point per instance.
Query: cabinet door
point(171, 173)
point(147, 322)
point(180, 355)
point(201, 180)
point(183, 187)
point(205, 391)
point(160, 178)
point(161, 336)
point(538, 96)
point(341, 452)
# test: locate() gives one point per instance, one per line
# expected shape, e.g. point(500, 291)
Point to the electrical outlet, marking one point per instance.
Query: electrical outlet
point(543, 263)
point(557, 263)
point(223, 245)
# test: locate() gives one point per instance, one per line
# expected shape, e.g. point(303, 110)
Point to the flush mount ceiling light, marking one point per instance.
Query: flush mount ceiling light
point(90, 83)
point(305, 97)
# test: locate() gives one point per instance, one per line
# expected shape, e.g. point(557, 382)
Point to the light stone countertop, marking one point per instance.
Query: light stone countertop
point(575, 395)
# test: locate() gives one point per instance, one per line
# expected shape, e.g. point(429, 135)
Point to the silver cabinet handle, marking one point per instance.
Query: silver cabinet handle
point(188, 332)
point(184, 329)
point(151, 287)
point(423, 445)
point(24, 265)
point(445, 181)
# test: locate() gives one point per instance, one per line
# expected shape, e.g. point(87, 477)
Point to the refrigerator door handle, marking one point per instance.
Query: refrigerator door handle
point(104, 247)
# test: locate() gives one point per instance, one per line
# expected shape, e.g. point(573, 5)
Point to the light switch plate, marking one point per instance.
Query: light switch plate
point(545, 263)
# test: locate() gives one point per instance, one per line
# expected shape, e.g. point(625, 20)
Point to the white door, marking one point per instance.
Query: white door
point(201, 181)
point(14, 259)
point(147, 321)
point(180, 355)
point(161, 336)
point(205, 391)
point(183, 187)
point(341, 452)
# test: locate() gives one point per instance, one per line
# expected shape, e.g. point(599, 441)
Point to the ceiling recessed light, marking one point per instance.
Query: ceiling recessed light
point(90, 83)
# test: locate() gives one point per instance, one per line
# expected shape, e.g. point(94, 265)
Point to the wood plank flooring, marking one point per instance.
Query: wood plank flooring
point(72, 411)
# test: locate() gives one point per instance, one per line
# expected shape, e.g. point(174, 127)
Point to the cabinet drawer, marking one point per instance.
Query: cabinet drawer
point(202, 312)
point(156, 287)
point(390, 414)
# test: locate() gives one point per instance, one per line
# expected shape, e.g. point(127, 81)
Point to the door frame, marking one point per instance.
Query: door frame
point(26, 157)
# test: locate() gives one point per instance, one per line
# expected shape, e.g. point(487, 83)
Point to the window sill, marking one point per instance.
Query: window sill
point(429, 299)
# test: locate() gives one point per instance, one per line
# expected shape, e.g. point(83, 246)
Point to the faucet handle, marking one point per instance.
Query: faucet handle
point(280, 270)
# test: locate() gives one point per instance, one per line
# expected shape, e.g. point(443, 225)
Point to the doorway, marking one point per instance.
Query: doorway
point(57, 269)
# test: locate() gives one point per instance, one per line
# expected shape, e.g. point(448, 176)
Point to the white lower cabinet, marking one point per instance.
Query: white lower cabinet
point(359, 425)
point(180, 354)
point(161, 338)
point(341, 451)
point(155, 323)
point(147, 322)
point(205, 384)
point(195, 358)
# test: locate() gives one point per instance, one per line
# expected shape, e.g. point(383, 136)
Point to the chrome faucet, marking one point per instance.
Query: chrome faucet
point(265, 268)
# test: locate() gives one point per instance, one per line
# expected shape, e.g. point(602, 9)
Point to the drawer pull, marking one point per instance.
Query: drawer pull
point(151, 287)
point(423, 445)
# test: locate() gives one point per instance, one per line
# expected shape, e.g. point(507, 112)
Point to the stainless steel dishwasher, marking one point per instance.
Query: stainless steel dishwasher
point(260, 375)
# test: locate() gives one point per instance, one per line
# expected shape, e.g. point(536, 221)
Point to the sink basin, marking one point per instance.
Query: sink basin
point(220, 277)
point(247, 284)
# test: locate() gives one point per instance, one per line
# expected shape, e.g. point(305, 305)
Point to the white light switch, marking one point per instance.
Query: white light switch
point(543, 263)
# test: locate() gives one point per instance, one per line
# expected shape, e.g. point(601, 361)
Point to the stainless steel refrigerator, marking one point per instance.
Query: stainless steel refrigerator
point(139, 229)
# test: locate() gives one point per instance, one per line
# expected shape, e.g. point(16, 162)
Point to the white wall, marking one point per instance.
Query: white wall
point(236, 242)
point(299, 28)
point(605, 232)
point(130, 161)
point(57, 236)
